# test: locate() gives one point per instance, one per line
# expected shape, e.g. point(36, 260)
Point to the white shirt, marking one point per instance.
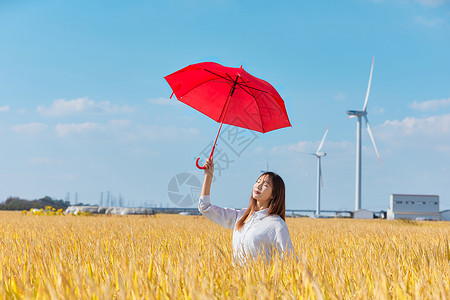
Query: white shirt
point(260, 234)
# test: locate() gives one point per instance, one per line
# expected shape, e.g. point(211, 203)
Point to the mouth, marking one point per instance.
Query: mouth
point(256, 192)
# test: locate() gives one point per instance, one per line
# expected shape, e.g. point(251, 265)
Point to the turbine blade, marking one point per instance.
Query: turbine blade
point(371, 137)
point(323, 140)
point(368, 87)
point(307, 153)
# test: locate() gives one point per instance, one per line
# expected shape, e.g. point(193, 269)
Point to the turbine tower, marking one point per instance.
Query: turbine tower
point(267, 167)
point(319, 155)
point(359, 114)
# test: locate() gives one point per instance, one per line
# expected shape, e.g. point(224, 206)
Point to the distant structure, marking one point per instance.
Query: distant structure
point(109, 210)
point(445, 215)
point(359, 114)
point(414, 207)
point(363, 214)
point(319, 155)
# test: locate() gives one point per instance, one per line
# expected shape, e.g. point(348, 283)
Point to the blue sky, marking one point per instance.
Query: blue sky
point(84, 106)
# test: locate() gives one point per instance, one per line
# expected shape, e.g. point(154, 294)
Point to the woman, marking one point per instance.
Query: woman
point(258, 230)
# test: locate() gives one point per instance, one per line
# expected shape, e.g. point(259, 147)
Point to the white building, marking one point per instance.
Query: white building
point(445, 215)
point(362, 214)
point(414, 207)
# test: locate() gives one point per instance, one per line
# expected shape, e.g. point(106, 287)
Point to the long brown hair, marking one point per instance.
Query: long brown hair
point(277, 205)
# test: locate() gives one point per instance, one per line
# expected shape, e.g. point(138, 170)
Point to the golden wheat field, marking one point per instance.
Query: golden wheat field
point(189, 257)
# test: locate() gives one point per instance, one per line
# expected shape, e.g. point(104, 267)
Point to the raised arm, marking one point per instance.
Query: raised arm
point(209, 171)
point(225, 217)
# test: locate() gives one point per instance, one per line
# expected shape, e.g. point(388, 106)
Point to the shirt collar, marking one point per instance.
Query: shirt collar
point(260, 214)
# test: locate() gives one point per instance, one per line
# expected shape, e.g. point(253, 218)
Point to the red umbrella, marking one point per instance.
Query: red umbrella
point(229, 95)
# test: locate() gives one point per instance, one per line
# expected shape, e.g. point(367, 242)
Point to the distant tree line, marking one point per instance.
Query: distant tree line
point(15, 203)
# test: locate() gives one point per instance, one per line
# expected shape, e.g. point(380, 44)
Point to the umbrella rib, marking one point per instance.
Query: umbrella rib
point(233, 82)
point(242, 88)
point(235, 85)
point(240, 85)
point(260, 116)
point(230, 80)
point(194, 87)
point(246, 92)
point(257, 104)
point(249, 90)
point(220, 76)
point(252, 88)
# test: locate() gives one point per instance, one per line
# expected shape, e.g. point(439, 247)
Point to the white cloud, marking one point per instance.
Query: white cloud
point(430, 105)
point(107, 107)
point(290, 148)
point(81, 105)
point(164, 101)
point(66, 176)
point(431, 126)
point(378, 110)
point(444, 148)
point(429, 22)
point(125, 130)
point(432, 132)
point(340, 96)
point(40, 160)
point(311, 147)
point(4, 108)
point(121, 123)
point(161, 100)
point(29, 128)
point(63, 130)
point(153, 132)
point(433, 3)
point(259, 150)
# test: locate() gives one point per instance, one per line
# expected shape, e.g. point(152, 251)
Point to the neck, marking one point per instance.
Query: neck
point(260, 205)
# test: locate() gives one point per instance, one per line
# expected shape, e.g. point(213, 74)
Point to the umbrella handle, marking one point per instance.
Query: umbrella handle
point(198, 166)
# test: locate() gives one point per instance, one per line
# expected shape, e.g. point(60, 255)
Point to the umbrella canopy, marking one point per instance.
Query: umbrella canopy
point(207, 87)
point(230, 96)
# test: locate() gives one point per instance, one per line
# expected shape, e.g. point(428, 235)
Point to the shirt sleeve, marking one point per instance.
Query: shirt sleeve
point(283, 240)
point(225, 217)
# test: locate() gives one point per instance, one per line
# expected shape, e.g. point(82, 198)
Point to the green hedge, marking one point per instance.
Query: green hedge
point(15, 203)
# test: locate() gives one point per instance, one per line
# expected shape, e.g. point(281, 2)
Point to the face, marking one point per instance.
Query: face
point(262, 189)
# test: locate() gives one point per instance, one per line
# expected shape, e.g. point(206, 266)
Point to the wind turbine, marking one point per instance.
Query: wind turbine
point(319, 155)
point(359, 114)
point(267, 167)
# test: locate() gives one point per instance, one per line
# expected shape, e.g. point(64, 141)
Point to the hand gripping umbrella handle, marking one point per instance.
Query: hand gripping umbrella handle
point(210, 157)
point(198, 166)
